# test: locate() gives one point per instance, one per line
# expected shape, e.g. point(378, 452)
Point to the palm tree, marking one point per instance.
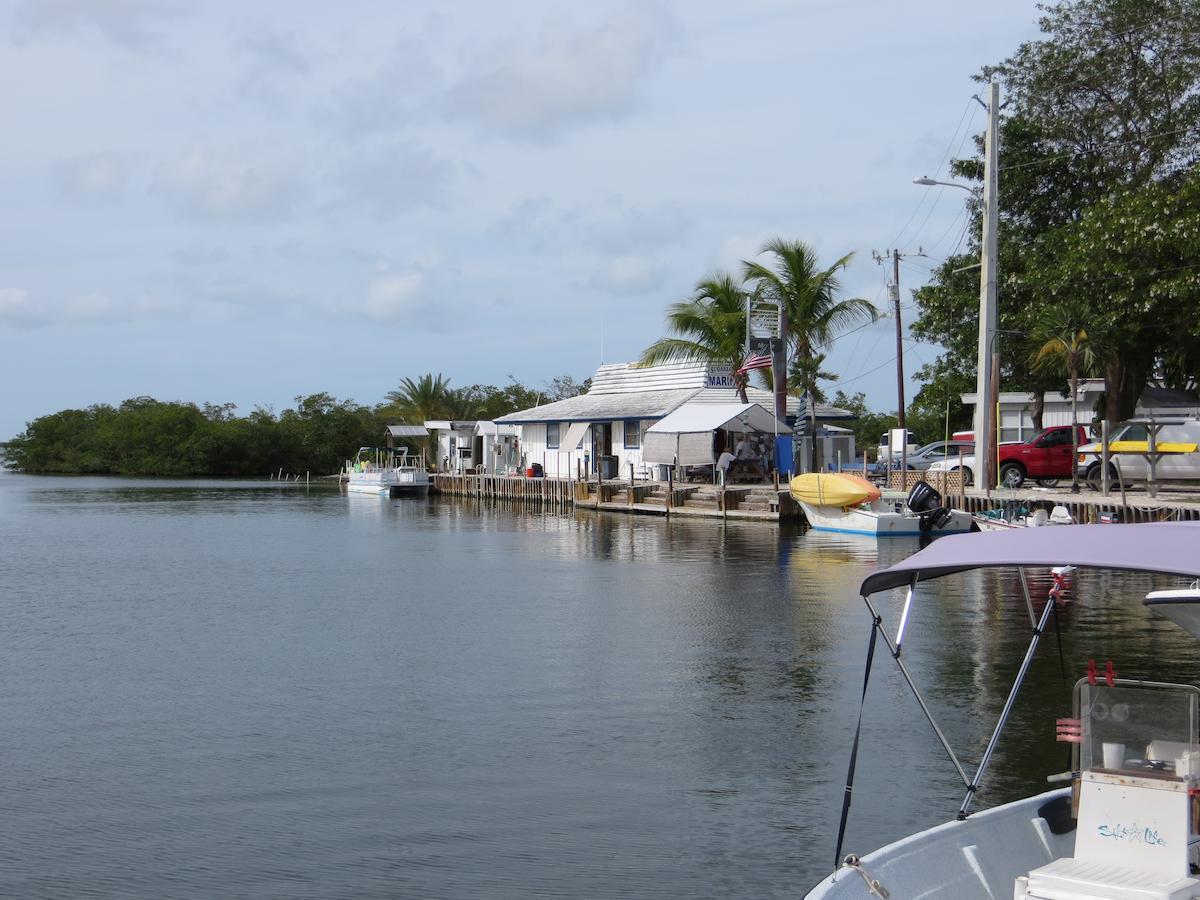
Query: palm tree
point(808, 293)
point(711, 325)
point(1063, 344)
point(429, 397)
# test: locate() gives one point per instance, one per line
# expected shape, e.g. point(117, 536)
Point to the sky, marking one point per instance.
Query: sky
point(245, 203)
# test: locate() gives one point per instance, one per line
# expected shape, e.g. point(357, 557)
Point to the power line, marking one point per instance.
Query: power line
point(967, 110)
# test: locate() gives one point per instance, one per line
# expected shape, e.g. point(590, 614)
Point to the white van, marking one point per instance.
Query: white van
point(884, 449)
point(1134, 466)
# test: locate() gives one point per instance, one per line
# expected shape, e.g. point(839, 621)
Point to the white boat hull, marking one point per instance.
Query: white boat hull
point(881, 519)
point(980, 857)
point(387, 482)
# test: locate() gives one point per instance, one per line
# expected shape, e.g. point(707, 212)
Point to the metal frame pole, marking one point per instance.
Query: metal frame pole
point(920, 699)
point(973, 785)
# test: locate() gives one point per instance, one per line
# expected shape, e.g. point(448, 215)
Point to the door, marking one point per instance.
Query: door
point(602, 444)
point(1060, 461)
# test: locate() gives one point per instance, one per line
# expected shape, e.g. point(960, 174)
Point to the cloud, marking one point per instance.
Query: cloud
point(612, 228)
point(389, 99)
point(621, 228)
point(272, 63)
point(132, 24)
point(200, 257)
point(228, 186)
point(94, 178)
point(568, 76)
point(19, 308)
point(627, 274)
point(396, 178)
point(392, 298)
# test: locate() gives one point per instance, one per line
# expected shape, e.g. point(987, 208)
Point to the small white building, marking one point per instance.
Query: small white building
point(497, 448)
point(453, 444)
point(474, 445)
point(606, 428)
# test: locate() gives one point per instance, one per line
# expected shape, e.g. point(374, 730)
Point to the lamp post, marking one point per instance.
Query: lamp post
point(988, 362)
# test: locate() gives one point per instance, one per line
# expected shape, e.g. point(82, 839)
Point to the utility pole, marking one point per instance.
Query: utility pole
point(988, 363)
point(779, 368)
point(894, 291)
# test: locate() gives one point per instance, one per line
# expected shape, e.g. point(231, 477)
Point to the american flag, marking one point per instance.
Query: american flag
point(755, 361)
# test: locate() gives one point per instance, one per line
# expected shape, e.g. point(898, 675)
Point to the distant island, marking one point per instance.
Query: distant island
point(145, 436)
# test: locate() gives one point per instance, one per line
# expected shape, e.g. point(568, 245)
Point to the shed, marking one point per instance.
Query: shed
point(685, 436)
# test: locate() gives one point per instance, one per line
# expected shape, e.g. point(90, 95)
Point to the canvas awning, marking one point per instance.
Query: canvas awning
point(684, 437)
point(1172, 548)
point(574, 435)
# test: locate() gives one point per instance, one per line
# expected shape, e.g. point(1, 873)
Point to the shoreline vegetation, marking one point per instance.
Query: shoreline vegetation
point(149, 437)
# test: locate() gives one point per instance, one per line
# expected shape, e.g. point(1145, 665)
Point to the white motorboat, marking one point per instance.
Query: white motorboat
point(386, 471)
point(1128, 828)
point(848, 504)
point(1019, 517)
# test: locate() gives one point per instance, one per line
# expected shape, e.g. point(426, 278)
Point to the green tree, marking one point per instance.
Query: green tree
point(810, 295)
point(1098, 140)
point(711, 328)
point(429, 397)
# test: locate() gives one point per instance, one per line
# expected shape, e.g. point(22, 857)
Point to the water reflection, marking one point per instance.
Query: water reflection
point(377, 697)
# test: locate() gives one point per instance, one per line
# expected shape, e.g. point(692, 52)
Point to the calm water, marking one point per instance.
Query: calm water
point(244, 690)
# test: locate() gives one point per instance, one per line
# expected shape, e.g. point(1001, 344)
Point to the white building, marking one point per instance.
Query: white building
point(474, 445)
point(610, 421)
point(1016, 407)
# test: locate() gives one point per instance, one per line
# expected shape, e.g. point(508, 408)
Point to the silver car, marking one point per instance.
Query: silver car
point(924, 457)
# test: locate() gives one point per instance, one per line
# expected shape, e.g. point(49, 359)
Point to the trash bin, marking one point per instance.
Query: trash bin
point(608, 467)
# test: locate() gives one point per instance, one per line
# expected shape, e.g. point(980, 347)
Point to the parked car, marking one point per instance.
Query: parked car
point(1134, 466)
point(884, 449)
point(926, 456)
point(1045, 457)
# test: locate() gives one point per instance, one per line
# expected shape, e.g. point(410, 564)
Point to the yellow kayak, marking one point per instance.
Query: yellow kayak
point(1144, 447)
point(830, 489)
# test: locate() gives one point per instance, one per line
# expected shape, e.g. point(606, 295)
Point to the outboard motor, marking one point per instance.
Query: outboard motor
point(926, 502)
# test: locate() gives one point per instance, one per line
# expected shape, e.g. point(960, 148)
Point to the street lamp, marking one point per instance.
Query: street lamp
point(926, 181)
point(988, 362)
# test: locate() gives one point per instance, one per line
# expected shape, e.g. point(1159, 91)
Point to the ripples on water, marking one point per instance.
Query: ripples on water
point(216, 689)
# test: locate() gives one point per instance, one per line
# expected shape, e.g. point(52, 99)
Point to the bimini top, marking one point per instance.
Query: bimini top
point(1172, 548)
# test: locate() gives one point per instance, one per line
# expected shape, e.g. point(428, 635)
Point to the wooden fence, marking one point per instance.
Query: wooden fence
point(542, 491)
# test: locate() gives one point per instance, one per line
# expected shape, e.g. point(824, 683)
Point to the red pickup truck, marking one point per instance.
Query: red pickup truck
point(1045, 457)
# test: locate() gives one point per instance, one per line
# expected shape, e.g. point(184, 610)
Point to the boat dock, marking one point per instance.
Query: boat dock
point(750, 502)
point(764, 503)
point(1170, 504)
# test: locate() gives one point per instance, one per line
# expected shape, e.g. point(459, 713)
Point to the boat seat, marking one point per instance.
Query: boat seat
point(1074, 879)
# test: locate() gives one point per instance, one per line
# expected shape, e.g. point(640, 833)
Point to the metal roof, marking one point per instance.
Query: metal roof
point(407, 430)
point(629, 391)
point(1172, 548)
point(601, 407)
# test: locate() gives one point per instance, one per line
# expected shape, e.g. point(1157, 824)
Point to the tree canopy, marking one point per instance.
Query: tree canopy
point(144, 436)
point(1099, 201)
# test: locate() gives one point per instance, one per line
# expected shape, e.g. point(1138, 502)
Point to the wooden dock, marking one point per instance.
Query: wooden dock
point(761, 503)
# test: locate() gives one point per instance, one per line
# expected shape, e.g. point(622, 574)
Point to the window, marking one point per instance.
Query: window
point(633, 434)
point(552, 435)
point(1135, 433)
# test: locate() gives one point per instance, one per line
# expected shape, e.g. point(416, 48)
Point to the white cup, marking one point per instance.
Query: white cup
point(1114, 755)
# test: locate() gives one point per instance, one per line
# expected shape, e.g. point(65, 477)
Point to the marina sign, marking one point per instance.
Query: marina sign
point(719, 377)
